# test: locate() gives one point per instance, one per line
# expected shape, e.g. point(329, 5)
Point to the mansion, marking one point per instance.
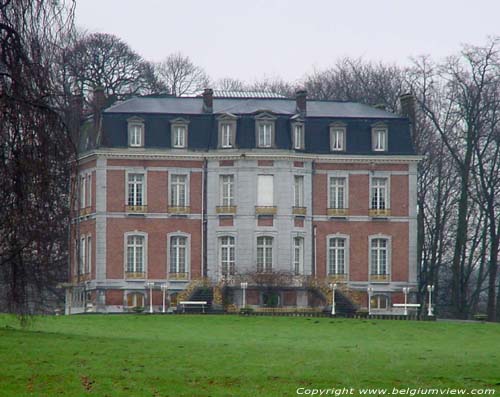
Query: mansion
point(288, 195)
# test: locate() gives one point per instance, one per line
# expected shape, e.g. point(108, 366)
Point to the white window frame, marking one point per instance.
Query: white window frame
point(226, 133)
point(346, 248)
point(298, 251)
point(144, 237)
point(135, 128)
point(380, 138)
point(338, 133)
point(258, 201)
point(83, 255)
point(226, 188)
point(134, 201)
point(227, 262)
point(83, 190)
point(298, 190)
point(376, 204)
point(187, 264)
point(298, 131)
point(265, 266)
point(175, 202)
point(377, 298)
point(388, 248)
point(89, 254)
point(178, 125)
point(333, 191)
point(265, 124)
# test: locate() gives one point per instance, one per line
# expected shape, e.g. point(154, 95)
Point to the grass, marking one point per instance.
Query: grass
point(141, 355)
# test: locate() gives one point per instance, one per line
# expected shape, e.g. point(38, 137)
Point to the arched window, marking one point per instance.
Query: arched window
point(227, 255)
point(264, 254)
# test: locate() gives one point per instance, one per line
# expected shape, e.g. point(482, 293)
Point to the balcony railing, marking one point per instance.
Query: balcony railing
point(337, 212)
point(178, 276)
point(136, 209)
point(225, 209)
point(379, 213)
point(179, 210)
point(85, 211)
point(135, 275)
point(266, 210)
point(338, 278)
point(380, 278)
point(299, 210)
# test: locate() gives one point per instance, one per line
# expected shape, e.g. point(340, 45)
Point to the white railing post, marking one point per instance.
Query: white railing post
point(244, 286)
point(333, 287)
point(370, 292)
point(150, 285)
point(164, 288)
point(430, 289)
point(405, 291)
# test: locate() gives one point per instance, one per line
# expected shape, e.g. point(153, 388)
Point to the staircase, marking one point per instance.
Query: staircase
point(344, 305)
point(200, 293)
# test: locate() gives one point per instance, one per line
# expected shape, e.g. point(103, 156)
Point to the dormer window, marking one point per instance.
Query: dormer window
point(264, 126)
point(179, 132)
point(337, 137)
point(227, 131)
point(298, 136)
point(379, 138)
point(135, 132)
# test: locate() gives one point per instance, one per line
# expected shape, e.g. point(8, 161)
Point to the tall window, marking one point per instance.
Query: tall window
point(178, 254)
point(337, 138)
point(178, 191)
point(135, 135)
point(89, 254)
point(135, 254)
point(298, 255)
point(83, 255)
point(337, 193)
point(298, 191)
point(135, 189)
point(379, 194)
point(298, 136)
point(265, 134)
point(265, 190)
point(264, 254)
point(88, 190)
point(179, 138)
point(379, 256)
point(83, 189)
point(135, 300)
point(379, 137)
point(336, 256)
point(226, 135)
point(227, 255)
point(227, 190)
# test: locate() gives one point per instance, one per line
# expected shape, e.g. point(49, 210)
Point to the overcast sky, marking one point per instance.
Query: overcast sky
point(258, 38)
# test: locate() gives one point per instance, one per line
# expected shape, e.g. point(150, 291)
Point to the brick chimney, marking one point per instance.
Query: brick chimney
point(301, 101)
point(75, 116)
point(208, 100)
point(407, 103)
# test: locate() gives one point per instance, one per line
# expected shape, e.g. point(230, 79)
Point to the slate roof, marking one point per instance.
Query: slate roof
point(190, 105)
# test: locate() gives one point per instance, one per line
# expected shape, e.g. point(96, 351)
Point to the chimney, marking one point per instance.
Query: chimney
point(301, 101)
point(407, 102)
point(99, 103)
point(208, 100)
point(75, 116)
point(99, 99)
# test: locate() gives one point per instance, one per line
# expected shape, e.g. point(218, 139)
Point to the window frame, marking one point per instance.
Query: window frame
point(128, 173)
point(387, 198)
point(144, 236)
point(175, 124)
point(301, 193)
point(338, 176)
point(298, 144)
point(171, 184)
point(376, 129)
point(346, 249)
point(89, 254)
point(257, 201)
point(231, 199)
point(229, 120)
point(265, 256)
point(388, 249)
point(133, 124)
point(261, 120)
point(298, 266)
point(376, 297)
point(187, 256)
point(335, 128)
point(229, 264)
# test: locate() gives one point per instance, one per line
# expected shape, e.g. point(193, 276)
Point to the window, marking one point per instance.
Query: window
point(336, 256)
point(88, 191)
point(379, 302)
point(265, 134)
point(226, 135)
point(135, 300)
point(179, 138)
point(135, 133)
point(379, 139)
point(135, 189)
point(83, 187)
point(178, 191)
point(298, 255)
point(298, 136)
point(337, 138)
point(379, 256)
point(264, 254)
point(337, 193)
point(298, 191)
point(227, 255)
point(379, 194)
point(135, 254)
point(83, 255)
point(178, 254)
point(227, 190)
point(89, 254)
point(265, 191)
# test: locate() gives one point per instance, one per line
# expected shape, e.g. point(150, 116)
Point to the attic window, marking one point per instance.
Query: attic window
point(179, 133)
point(227, 131)
point(135, 133)
point(264, 129)
point(298, 135)
point(379, 138)
point(337, 137)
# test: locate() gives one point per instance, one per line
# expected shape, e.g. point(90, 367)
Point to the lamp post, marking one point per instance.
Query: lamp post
point(164, 288)
point(244, 287)
point(333, 287)
point(430, 289)
point(370, 292)
point(149, 285)
point(405, 291)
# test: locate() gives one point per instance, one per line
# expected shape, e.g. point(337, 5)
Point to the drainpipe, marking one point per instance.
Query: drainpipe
point(203, 244)
point(313, 166)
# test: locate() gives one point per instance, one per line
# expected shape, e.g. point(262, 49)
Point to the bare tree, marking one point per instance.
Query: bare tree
point(181, 76)
point(230, 84)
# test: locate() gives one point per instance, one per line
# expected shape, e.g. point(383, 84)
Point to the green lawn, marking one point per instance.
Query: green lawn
point(185, 355)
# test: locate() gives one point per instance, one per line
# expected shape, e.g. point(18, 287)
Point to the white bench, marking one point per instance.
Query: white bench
point(406, 306)
point(192, 303)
